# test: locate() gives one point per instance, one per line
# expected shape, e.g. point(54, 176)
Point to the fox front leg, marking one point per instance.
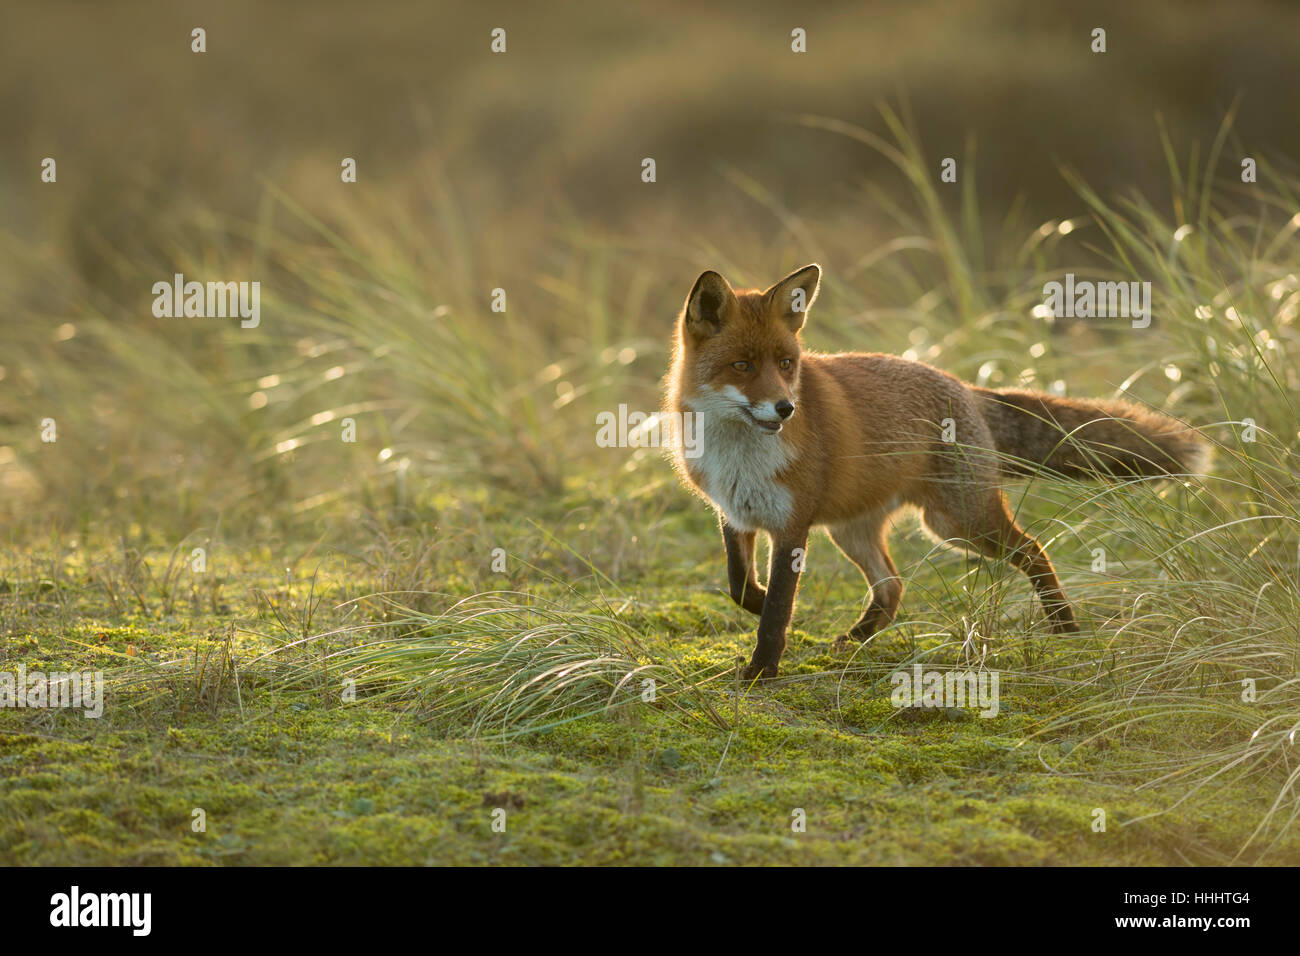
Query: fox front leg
point(742, 573)
point(782, 583)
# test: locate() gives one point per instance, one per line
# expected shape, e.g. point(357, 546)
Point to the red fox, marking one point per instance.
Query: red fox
point(789, 440)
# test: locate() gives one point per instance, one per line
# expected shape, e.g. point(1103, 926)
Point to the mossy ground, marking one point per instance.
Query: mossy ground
point(286, 772)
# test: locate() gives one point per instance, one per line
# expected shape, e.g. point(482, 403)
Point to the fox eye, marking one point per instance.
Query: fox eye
point(786, 364)
point(741, 366)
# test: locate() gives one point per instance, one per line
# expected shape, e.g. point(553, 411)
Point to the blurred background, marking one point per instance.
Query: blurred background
point(522, 171)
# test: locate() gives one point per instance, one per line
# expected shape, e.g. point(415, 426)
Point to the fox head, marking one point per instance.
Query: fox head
point(738, 352)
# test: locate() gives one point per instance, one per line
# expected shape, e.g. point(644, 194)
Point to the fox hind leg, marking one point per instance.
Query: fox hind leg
point(987, 524)
point(863, 543)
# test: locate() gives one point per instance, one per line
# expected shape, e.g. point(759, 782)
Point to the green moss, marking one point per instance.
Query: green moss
point(281, 772)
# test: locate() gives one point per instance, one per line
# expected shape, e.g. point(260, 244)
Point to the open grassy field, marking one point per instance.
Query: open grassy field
point(362, 584)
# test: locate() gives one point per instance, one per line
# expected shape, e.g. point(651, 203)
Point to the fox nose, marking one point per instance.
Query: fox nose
point(785, 408)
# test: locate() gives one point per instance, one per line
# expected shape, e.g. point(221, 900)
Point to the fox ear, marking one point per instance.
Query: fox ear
point(711, 303)
point(792, 297)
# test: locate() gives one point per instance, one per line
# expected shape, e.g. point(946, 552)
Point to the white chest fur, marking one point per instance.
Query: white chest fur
point(736, 468)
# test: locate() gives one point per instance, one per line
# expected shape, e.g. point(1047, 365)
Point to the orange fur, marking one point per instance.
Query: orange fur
point(865, 438)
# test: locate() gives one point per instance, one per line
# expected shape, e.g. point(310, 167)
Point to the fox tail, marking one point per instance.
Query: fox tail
point(1086, 438)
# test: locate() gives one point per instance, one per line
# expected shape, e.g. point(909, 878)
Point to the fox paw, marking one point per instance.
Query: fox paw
point(753, 671)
